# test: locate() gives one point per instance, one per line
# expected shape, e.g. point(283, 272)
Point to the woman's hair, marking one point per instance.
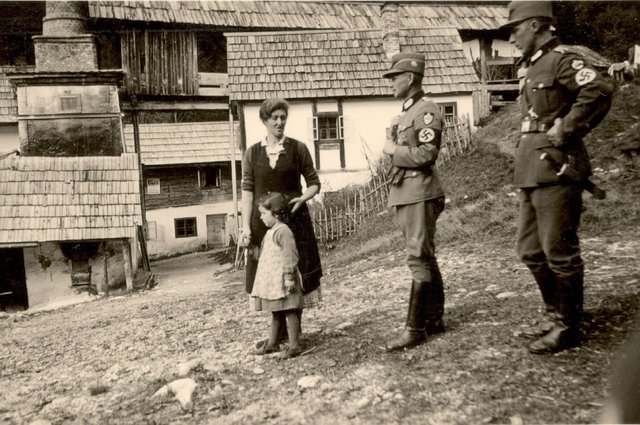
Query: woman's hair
point(270, 105)
point(277, 204)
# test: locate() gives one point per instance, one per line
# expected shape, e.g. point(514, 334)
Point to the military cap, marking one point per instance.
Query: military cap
point(405, 62)
point(521, 10)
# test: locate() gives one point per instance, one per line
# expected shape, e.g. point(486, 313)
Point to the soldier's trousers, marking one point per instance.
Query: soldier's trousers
point(548, 230)
point(418, 224)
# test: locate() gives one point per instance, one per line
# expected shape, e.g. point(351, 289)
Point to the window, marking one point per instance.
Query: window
point(210, 177)
point(153, 186)
point(328, 135)
point(449, 111)
point(186, 227)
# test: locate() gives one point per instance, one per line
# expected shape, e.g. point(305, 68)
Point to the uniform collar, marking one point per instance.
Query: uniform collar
point(412, 100)
point(547, 47)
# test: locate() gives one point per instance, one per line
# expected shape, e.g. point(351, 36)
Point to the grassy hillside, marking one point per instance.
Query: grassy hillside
point(482, 203)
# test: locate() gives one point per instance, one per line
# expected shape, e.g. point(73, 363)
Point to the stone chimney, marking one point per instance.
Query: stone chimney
point(391, 28)
point(67, 106)
point(64, 44)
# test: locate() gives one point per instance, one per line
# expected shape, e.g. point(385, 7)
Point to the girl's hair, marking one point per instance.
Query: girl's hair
point(270, 105)
point(277, 204)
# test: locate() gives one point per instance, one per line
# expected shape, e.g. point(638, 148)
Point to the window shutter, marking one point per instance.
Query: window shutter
point(315, 129)
point(341, 127)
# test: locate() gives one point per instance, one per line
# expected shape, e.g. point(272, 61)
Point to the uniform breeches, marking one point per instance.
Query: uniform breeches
point(418, 224)
point(547, 231)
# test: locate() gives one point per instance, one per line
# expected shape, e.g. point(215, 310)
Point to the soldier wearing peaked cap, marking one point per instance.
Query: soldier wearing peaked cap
point(416, 193)
point(562, 98)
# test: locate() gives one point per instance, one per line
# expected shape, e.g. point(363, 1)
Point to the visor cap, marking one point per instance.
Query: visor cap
point(405, 62)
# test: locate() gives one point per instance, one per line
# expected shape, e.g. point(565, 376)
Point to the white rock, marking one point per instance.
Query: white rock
point(505, 295)
point(309, 381)
point(183, 369)
point(182, 390)
point(344, 325)
point(362, 403)
point(258, 371)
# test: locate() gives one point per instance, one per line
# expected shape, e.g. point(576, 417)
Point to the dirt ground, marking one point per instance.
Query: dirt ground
point(105, 361)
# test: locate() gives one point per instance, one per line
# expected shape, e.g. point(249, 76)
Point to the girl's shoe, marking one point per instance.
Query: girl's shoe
point(265, 349)
point(290, 353)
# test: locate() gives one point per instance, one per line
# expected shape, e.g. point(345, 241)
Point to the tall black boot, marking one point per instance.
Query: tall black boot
point(546, 281)
point(566, 331)
point(413, 333)
point(434, 301)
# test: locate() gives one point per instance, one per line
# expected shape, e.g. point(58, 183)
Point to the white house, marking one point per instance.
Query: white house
point(340, 104)
point(186, 169)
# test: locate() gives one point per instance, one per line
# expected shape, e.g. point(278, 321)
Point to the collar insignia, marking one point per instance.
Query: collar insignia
point(536, 56)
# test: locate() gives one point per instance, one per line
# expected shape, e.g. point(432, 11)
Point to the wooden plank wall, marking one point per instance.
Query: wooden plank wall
point(160, 62)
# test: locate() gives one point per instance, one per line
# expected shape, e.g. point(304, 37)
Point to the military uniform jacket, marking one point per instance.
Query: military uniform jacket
point(414, 177)
point(558, 84)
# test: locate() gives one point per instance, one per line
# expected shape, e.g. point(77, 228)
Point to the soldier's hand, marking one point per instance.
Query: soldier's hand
point(389, 147)
point(554, 134)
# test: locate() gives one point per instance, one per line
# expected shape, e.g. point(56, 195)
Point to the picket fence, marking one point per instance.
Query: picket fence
point(344, 217)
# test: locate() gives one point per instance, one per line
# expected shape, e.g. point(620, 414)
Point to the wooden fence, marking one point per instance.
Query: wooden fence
point(345, 216)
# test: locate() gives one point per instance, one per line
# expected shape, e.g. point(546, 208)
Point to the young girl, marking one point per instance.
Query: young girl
point(277, 286)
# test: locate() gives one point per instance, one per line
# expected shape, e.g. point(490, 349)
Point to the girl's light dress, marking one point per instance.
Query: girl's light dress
point(278, 260)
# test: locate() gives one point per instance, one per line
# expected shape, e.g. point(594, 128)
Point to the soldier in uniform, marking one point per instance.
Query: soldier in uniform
point(562, 98)
point(416, 194)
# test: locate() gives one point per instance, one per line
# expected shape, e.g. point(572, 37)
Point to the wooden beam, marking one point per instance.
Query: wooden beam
point(105, 267)
point(174, 106)
point(213, 91)
point(128, 267)
point(213, 79)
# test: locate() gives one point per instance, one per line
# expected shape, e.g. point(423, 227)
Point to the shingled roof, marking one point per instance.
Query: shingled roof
point(314, 64)
point(299, 14)
point(184, 143)
point(45, 199)
point(8, 101)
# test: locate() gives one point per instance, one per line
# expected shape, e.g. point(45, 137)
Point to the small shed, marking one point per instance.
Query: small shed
point(57, 215)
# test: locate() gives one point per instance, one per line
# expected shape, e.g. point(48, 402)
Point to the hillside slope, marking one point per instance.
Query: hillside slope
point(482, 203)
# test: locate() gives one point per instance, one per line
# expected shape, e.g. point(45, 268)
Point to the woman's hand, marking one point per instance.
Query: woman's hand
point(297, 203)
point(289, 285)
point(245, 237)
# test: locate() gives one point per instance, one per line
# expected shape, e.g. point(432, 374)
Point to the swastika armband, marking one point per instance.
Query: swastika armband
point(426, 135)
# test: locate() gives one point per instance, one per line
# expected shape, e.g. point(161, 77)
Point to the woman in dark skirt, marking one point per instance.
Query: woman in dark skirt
point(276, 164)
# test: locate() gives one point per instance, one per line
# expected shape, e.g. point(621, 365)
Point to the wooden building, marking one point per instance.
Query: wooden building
point(176, 73)
point(340, 104)
point(66, 222)
point(187, 185)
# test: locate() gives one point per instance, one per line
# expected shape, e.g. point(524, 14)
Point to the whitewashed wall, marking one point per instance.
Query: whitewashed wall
point(166, 242)
point(365, 124)
point(9, 139)
point(51, 285)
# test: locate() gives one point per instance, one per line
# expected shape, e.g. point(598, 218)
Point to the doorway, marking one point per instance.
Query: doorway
point(13, 282)
point(216, 231)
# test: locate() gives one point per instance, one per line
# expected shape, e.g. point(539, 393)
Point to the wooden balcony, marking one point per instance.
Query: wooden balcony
point(213, 84)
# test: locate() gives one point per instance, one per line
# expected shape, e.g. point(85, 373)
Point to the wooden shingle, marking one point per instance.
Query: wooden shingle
point(357, 54)
point(184, 143)
point(45, 199)
point(299, 14)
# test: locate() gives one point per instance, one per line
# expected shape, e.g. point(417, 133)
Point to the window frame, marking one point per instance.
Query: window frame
point(339, 130)
point(453, 116)
point(202, 174)
point(180, 224)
